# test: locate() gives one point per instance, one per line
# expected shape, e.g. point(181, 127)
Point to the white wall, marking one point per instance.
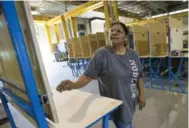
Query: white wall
point(185, 24)
point(47, 56)
point(85, 22)
point(97, 26)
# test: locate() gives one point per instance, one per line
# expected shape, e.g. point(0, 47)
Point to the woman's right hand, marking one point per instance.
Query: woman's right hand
point(64, 85)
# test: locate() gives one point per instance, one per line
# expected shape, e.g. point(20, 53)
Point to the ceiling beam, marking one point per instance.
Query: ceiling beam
point(183, 14)
point(121, 13)
point(78, 10)
point(40, 19)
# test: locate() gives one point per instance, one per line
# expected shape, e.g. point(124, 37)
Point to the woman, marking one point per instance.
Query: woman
point(119, 71)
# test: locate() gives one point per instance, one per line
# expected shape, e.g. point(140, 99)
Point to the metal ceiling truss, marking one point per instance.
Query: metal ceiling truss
point(183, 14)
point(88, 6)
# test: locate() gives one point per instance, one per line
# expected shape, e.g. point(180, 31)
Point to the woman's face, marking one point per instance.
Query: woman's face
point(117, 35)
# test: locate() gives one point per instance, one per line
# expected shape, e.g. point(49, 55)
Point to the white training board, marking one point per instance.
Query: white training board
point(78, 109)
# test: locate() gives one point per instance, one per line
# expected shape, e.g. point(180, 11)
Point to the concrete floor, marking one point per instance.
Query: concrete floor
point(163, 109)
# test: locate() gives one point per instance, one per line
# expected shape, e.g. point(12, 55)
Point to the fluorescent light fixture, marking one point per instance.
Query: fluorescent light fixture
point(42, 9)
point(184, 10)
point(171, 13)
point(35, 13)
point(160, 15)
point(98, 21)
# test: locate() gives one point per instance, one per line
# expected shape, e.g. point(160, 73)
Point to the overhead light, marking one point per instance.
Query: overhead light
point(138, 12)
point(171, 13)
point(160, 15)
point(184, 0)
point(179, 11)
point(35, 13)
point(42, 9)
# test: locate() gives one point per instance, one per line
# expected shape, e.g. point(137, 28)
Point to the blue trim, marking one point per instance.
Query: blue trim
point(98, 119)
point(25, 106)
point(14, 85)
point(7, 110)
point(23, 61)
point(105, 123)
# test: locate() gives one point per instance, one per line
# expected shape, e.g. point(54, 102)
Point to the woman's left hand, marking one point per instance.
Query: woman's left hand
point(141, 102)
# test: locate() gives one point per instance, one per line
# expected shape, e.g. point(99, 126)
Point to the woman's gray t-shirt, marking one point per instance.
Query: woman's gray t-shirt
point(117, 76)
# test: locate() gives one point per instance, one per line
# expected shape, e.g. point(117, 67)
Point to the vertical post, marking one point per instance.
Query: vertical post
point(64, 27)
point(107, 20)
point(115, 11)
point(55, 28)
point(7, 110)
point(149, 55)
point(73, 26)
point(107, 15)
point(150, 59)
point(23, 61)
point(169, 58)
point(47, 29)
point(105, 121)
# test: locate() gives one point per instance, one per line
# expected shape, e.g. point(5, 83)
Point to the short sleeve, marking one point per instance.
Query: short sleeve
point(93, 69)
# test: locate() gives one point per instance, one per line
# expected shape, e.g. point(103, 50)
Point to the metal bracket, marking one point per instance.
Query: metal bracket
point(44, 99)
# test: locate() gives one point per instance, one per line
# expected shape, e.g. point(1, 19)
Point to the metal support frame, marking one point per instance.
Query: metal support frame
point(107, 15)
point(77, 65)
point(73, 26)
point(64, 27)
point(105, 121)
point(175, 76)
point(55, 28)
point(145, 63)
point(47, 29)
point(88, 6)
point(25, 106)
point(7, 110)
point(155, 76)
point(115, 10)
point(73, 63)
point(182, 14)
point(15, 32)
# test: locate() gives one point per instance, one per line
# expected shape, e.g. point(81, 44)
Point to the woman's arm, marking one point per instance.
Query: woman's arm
point(140, 87)
point(68, 84)
point(92, 72)
point(81, 82)
point(141, 98)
